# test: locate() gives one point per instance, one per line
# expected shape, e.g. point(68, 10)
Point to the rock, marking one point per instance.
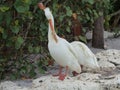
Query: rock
point(84, 81)
point(111, 55)
point(105, 65)
point(52, 83)
point(8, 85)
point(89, 35)
point(111, 84)
point(108, 34)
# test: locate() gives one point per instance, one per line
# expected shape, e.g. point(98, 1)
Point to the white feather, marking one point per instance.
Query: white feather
point(84, 55)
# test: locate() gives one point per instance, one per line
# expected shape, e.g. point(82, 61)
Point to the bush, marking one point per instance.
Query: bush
point(23, 31)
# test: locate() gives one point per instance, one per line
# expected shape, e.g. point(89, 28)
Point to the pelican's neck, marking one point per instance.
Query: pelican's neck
point(50, 32)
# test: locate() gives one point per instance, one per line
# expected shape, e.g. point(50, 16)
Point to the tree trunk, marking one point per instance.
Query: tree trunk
point(98, 33)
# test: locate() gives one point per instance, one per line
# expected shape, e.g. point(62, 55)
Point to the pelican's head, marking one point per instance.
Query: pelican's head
point(41, 6)
point(47, 11)
point(49, 16)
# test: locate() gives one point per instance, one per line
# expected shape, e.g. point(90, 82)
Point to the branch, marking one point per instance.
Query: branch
point(45, 1)
point(114, 1)
point(115, 13)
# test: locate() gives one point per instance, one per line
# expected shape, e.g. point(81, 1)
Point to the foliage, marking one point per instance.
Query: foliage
point(23, 30)
point(20, 34)
point(87, 11)
point(115, 16)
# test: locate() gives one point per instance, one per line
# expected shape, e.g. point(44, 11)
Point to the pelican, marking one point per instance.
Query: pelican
point(60, 49)
point(84, 55)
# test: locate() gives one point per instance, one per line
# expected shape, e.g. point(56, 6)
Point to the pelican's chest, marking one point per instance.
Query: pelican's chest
point(55, 47)
point(58, 51)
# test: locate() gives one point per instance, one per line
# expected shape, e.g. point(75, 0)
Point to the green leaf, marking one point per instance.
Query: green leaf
point(8, 18)
point(69, 11)
point(61, 17)
point(68, 29)
point(95, 14)
point(21, 7)
point(4, 8)
point(89, 10)
point(92, 20)
point(23, 70)
point(82, 38)
point(82, 13)
point(107, 18)
point(29, 15)
point(34, 2)
point(13, 76)
point(15, 29)
point(9, 43)
point(32, 73)
point(30, 48)
point(3, 60)
point(69, 23)
point(1, 17)
point(37, 49)
point(1, 30)
point(41, 70)
point(4, 34)
point(19, 42)
point(27, 1)
point(90, 1)
point(87, 16)
point(1, 69)
point(16, 22)
point(84, 29)
point(100, 13)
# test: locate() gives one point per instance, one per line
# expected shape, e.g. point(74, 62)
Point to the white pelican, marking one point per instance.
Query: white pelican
point(84, 55)
point(60, 49)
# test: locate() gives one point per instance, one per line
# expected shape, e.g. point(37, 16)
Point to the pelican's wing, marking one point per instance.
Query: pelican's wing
point(70, 47)
point(84, 48)
point(88, 55)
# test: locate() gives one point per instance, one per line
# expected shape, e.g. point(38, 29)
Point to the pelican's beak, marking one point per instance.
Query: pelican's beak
point(51, 25)
point(41, 6)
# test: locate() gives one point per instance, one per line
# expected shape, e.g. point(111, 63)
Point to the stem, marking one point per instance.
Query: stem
point(115, 13)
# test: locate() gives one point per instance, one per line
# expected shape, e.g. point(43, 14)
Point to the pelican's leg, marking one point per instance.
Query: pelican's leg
point(60, 71)
point(62, 76)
